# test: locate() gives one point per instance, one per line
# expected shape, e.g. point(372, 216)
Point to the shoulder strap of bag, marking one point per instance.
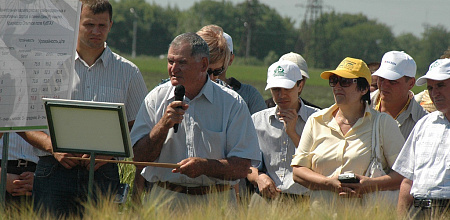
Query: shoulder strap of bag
point(376, 138)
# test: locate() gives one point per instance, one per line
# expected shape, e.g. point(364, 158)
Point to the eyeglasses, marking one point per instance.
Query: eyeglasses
point(344, 82)
point(216, 72)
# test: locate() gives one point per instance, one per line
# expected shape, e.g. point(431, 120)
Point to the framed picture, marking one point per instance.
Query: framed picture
point(88, 127)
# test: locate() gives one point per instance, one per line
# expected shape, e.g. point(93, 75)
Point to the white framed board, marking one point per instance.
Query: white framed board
point(86, 127)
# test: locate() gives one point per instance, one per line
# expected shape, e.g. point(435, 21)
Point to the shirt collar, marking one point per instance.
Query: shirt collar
point(302, 112)
point(104, 58)
point(441, 116)
point(327, 117)
point(206, 91)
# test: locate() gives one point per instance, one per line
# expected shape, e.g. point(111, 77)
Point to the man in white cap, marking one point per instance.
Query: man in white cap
point(424, 159)
point(394, 96)
point(255, 102)
point(301, 63)
point(279, 129)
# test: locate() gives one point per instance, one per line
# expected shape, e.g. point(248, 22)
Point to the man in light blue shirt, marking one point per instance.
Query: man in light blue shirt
point(216, 141)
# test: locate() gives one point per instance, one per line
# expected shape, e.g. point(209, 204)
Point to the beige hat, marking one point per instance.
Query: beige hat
point(297, 59)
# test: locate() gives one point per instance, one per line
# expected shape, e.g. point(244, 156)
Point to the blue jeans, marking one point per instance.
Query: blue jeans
point(61, 191)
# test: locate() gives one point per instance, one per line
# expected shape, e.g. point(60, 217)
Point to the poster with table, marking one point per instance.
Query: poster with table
point(37, 55)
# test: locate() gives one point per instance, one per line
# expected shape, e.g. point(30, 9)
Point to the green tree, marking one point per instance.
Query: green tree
point(333, 37)
point(409, 43)
point(435, 40)
point(156, 27)
point(269, 31)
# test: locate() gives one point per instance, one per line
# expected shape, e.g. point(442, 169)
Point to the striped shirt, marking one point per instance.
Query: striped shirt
point(425, 157)
point(111, 78)
point(277, 148)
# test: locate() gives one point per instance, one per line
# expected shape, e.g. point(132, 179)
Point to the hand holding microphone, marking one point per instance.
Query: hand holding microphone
point(179, 96)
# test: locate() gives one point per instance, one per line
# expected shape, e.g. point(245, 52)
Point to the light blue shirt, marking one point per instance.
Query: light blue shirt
point(425, 157)
point(277, 148)
point(216, 125)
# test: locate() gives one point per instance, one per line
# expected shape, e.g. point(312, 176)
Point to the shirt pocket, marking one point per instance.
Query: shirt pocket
point(211, 144)
point(109, 94)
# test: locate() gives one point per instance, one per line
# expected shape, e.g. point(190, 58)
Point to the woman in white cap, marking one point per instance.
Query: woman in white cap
point(338, 140)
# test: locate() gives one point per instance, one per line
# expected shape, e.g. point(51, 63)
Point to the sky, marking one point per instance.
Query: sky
point(402, 16)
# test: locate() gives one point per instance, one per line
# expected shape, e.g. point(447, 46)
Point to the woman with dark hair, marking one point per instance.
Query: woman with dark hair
point(338, 140)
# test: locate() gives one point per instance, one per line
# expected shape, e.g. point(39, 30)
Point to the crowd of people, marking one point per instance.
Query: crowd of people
point(231, 142)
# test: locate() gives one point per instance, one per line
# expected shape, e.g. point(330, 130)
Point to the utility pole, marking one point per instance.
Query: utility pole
point(314, 10)
point(249, 25)
point(133, 45)
point(312, 31)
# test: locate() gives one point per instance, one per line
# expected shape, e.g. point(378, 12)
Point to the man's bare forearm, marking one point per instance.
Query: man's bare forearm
point(232, 168)
point(405, 199)
point(38, 139)
point(148, 148)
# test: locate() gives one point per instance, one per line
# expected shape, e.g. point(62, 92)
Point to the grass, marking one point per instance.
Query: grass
point(216, 208)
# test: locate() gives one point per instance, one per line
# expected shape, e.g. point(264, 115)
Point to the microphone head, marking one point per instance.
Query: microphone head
point(179, 92)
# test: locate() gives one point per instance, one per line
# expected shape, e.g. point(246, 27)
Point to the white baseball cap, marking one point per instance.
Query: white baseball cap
point(396, 64)
point(297, 59)
point(229, 41)
point(283, 74)
point(439, 70)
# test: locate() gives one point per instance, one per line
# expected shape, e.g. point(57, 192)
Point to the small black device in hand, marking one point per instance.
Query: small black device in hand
point(348, 178)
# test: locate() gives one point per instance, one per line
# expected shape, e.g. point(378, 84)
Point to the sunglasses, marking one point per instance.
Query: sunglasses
point(216, 72)
point(344, 82)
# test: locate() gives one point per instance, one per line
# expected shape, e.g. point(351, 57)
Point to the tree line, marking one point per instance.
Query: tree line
point(260, 34)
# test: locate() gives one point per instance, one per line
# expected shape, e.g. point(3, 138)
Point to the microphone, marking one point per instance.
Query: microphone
point(179, 96)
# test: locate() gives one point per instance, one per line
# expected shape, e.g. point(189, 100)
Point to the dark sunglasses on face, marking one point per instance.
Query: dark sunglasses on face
point(344, 82)
point(216, 72)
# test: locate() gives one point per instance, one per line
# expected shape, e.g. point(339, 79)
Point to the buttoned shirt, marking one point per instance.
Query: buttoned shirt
point(216, 125)
point(425, 157)
point(277, 148)
point(408, 118)
point(326, 150)
point(111, 78)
